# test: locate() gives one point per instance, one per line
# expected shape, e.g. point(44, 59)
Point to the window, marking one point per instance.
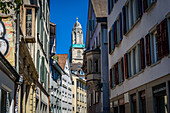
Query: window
point(120, 69)
point(94, 97)
point(77, 95)
point(28, 22)
point(116, 35)
point(78, 84)
point(90, 65)
point(82, 98)
point(153, 47)
point(85, 99)
point(78, 54)
point(169, 33)
point(73, 95)
point(110, 6)
point(126, 18)
point(134, 61)
point(96, 66)
point(112, 78)
point(97, 97)
point(72, 82)
point(73, 108)
point(147, 4)
point(160, 98)
point(5, 101)
point(142, 102)
point(133, 103)
point(129, 58)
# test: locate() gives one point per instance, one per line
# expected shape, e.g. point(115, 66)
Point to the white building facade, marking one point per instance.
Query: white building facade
point(66, 90)
point(139, 45)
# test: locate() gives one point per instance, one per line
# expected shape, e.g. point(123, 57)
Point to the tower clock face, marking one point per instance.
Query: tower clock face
point(2, 29)
point(4, 46)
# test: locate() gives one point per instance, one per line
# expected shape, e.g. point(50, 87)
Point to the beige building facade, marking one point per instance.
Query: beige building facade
point(79, 95)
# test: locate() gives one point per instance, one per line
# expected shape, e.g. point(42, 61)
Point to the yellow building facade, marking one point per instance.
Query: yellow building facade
point(79, 102)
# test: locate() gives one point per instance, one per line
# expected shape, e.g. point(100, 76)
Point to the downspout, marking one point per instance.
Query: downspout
point(17, 41)
point(17, 58)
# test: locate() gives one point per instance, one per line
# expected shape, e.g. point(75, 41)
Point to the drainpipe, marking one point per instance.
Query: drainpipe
point(17, 41)
point(17, 57)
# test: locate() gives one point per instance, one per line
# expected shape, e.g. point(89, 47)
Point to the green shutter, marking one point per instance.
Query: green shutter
point(45, 76)
point(42, 70)
point(45, 43)
point(38, 21)
point(42, 30)
point(38, 61)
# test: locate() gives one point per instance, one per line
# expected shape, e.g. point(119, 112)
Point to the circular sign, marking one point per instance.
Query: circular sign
point(4, 46)
point(2, 29)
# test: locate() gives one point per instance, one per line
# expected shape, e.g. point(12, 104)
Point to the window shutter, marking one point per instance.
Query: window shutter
point(148, 56)
point(42, 70)
point(145, 5)
point(164, 35)
point(38, 20)
point(113, 41)
point(116, 74)
point(126, 65)
point(42, 30)
point(109, 42)
point(120, 18)
point(140, 8)
point(115, 33)
point(142, 53)
point(124, 20)
point(111, 78)
point(122, 69)
point(38, 61)
point(159, 41)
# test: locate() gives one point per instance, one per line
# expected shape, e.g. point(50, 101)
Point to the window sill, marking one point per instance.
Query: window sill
point(136, 74)
point(137, 21)
point(150, 7)
point(156, 63)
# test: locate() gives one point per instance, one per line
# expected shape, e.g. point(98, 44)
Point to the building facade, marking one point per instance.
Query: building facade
point(139, 46)
point(55, 86)
point(9, 78)
point(79, 102)
point(66, 87)
point(95, 63)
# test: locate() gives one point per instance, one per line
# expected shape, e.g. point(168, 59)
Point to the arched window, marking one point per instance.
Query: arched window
point(74, 37)
point(78, 54)
point(38, 61)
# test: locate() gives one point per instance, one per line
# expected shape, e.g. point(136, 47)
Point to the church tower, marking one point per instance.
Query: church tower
point(77, 47)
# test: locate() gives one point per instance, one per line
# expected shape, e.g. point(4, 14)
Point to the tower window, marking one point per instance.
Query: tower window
point(78, 54)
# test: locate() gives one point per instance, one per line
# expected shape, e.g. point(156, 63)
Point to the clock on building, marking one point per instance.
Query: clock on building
point(4, 46)
point(2, 30)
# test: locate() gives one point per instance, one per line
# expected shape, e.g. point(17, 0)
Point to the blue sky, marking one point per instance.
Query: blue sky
point(64, 13)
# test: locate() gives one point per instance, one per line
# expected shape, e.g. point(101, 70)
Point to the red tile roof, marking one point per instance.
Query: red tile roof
point(62, 59)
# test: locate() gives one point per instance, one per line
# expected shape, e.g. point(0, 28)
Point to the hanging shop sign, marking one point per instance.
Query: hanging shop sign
point(4, 45)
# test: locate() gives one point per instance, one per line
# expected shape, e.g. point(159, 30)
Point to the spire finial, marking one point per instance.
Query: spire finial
point(77, 18)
